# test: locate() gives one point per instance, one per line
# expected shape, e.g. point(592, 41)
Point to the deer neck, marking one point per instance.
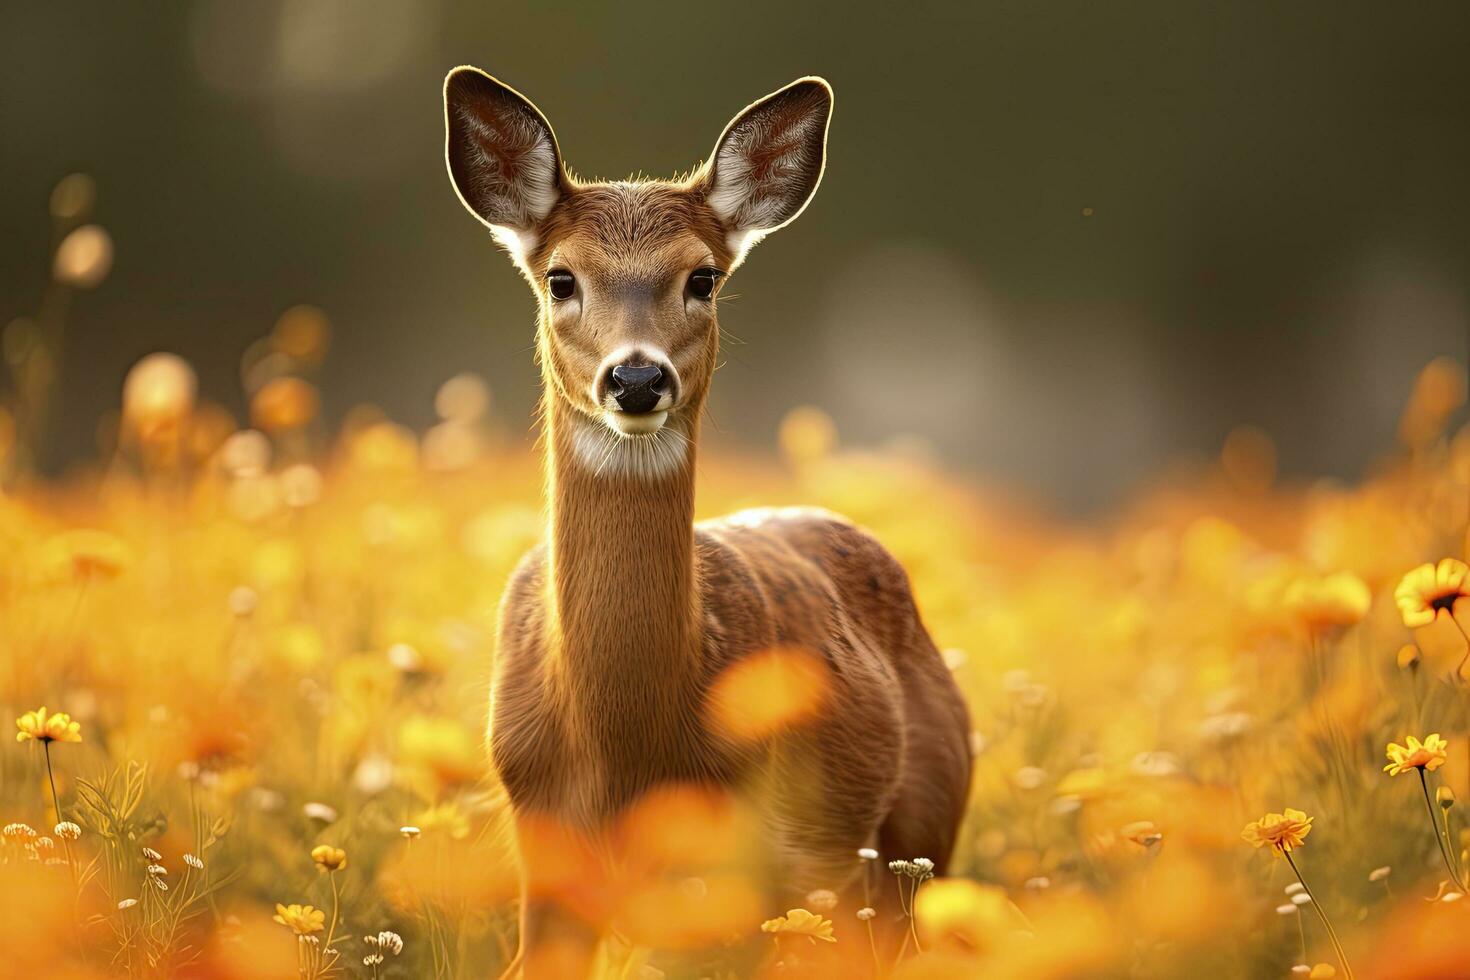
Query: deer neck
point(622, 572)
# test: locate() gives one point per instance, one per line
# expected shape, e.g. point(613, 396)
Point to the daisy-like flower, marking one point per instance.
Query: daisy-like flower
point(18, 833)
point(1428, 755)
point(1283, 831)
point(303, 920)
point(409, 831)
point(329, 858)
point(56, 727)
point(800, 922)
point(193, 862)
point(1430, 589)
point(153, 856)
point(387, 941)
point(67, 830)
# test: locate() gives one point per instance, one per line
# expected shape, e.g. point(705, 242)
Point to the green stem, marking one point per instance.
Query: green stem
point(1321, 914)
point(914, 908)
point(1438, 838)
point(868, 904)
point(56, 805)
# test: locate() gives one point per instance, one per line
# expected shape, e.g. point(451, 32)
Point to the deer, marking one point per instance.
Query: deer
point(612, 631)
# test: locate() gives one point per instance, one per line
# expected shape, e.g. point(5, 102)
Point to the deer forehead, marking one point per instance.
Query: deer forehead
point(630, 232)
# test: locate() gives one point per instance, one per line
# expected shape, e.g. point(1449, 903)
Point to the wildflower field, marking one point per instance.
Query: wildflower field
point(1219, 732)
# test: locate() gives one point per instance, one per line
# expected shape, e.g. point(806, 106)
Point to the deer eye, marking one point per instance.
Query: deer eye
point(702, 282)
point(561, 283)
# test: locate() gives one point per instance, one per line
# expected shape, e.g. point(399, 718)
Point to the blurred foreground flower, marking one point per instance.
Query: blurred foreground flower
point(800, 922)
point(1431, 589)
point(83, 555)
point(57, 727)
point(1329, 601)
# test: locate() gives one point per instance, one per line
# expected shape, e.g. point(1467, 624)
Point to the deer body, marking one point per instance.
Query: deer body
point(613, 632)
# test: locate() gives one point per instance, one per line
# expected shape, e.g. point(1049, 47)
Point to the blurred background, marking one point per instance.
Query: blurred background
point(1060, 243)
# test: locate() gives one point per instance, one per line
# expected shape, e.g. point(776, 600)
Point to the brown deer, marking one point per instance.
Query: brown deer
point(613, 631)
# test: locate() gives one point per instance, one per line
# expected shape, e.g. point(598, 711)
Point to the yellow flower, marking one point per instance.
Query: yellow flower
point(800, 922)
point(1325, 602)
point(84, 555)
point(1429, 754)
point(1283, 831)
point(329, 858)
point(56, 728)
point(301, 919)
point(1430, 589)
point(443, 818)
point(1409, 657)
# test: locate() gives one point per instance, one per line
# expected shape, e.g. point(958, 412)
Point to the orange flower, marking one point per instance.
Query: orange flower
point(1431, 589)
point(1283, 831)
point(1429, 754)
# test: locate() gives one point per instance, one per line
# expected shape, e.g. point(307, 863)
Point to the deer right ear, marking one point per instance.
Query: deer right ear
point(768, 162)
point(502, 156)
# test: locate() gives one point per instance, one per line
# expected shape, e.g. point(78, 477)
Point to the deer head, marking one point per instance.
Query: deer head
point(626, 273)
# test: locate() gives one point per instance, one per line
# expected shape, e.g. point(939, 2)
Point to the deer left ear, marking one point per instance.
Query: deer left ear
point(502, 157)
point(768, 162)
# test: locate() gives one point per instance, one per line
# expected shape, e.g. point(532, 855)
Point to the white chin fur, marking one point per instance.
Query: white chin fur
point(651, 447)
point(635, 425)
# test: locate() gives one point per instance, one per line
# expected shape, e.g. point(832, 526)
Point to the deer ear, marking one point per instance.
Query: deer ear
point(502, 156)
point(768, 162)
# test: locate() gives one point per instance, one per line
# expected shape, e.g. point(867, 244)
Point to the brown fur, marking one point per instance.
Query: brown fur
point(612, 633)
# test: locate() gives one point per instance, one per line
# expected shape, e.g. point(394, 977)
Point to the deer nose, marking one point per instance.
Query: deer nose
point(637, 389)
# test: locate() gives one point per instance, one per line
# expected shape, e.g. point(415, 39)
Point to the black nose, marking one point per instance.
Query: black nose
point(636, 389)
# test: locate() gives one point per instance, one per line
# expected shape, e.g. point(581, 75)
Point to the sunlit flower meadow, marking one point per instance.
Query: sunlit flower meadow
point(1220, 732)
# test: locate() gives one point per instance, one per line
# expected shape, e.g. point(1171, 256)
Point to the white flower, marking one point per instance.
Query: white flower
point(409, 831)
point(867, 854)
point(193, 862)
point(67, 830)
point(157, 869)
point(152, 855)
point(865, 913)
point(821, 899)
point(1301, 898)
point(320, 811)
point(1287, 909)
point(126, 904)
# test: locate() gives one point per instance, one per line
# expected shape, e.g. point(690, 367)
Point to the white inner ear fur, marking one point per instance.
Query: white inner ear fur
point(525, 202)
point(749, 207)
